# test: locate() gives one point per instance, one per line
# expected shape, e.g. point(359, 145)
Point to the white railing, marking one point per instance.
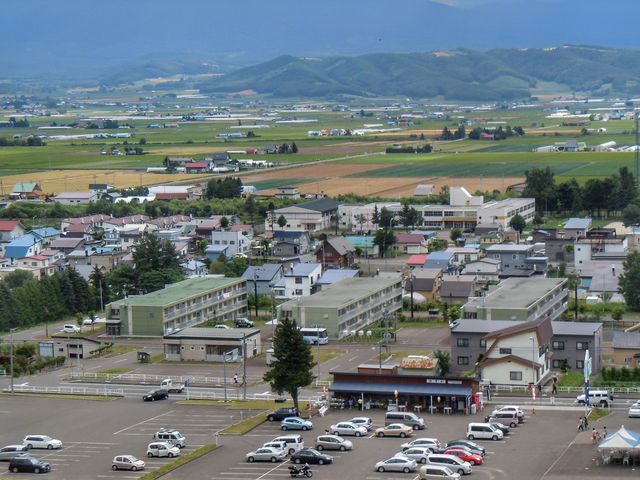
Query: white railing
point(63, 390)
point(144, 379)
point(576, 390)
point(236, 394)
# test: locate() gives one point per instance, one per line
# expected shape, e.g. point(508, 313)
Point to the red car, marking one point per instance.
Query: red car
point(472, 458)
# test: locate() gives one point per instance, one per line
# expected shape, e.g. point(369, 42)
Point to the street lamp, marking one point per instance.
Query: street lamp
point(318, 345)
point(11, 330)
point(533, 372)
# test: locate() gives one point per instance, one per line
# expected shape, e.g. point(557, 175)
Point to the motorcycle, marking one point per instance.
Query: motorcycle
point(303, 471)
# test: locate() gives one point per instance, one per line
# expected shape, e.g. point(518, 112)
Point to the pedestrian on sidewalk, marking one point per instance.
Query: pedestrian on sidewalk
point(604, 432)
point(581, 425)
point(235, 378)
point(595, 436)
point(585, 420)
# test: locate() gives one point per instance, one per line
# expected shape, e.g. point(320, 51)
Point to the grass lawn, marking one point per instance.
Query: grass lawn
point(113, 371)
point(245, 425)
point(597, 413)
point(324, 355)
point(178, 462)
point(571, 379)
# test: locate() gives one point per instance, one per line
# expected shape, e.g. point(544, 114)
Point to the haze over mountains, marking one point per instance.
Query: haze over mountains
point(89, 40)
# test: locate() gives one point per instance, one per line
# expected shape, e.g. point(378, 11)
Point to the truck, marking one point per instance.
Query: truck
point(171, 387)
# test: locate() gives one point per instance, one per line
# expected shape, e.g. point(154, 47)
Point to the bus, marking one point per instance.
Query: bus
point(315, 335)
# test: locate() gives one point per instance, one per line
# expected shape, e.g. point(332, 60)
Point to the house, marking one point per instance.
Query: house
point(67, 245)
point(289, 244)
point(626, 348)
point(196, 167)
point(205, 228)
point(76, 198)
point(313, 216)
point(335, 275)
point(298, 280)
point(214, 252)
point(236, 241)
point(519, 354)
point(262, 278)
point(335, 252)
point(100, 188)
point(411, 243)
point(212, 344)
point(26, 191)
point(517, 257)
point(46, 234)
point(568, 344)
point(456, 289)
point(131, 235)
point(520, 299)
point(423, 190)
point(486, 270)
point(167, 197)
point(178, 306)
point(10, 230)
point(111, 222)
point(192, 192)
point(416, 261)
point(577, 227)
point(287, 192)
point(463, 255)
point(441, 260)
point(347, 306)
point(41, 263)
point(75, 347)
point(426, 282)
point(79, 230)
point(22, 247)
point(193, 268)
point(604, 249)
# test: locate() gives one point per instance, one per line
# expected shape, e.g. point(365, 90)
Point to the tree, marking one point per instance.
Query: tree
point(250, 207)
point(629, 281)
point(540, 184)
point(282, 221)
point(100, 286)
point(518, 223)
point(386, 218)
point(294, 148)
point(384, 239)
point(631, 215)
point(444, 362)
point(360, 219)
point(456, 233)
point(375, 217)
point(291, 369)
point(224, 223)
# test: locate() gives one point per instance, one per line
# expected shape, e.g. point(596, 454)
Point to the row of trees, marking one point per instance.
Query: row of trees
point(227, 187)
point(609, 194)
point(22, 142)
point(426, 148)
point(498, 133)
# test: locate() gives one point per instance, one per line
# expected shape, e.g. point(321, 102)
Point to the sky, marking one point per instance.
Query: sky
point(93, 37)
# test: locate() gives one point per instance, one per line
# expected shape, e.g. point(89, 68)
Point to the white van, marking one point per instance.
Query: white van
point(438, 472)
point(456, 464)
point(295, 443)
point(408, 418)
point(597, 397)
point(483, 430)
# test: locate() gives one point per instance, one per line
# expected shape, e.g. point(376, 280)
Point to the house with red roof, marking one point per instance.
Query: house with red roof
point(196, 167)
point(416, 261)
point(411, 243)
point(10, 229)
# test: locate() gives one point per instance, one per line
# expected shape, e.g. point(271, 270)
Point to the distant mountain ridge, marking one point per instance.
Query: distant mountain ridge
point(498, 74)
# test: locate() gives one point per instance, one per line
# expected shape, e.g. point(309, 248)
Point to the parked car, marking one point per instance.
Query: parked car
point(162, 449)
point(438, 472)
point(396, 464)
point(394, 430)
point(41, 441)
point(503, 428)
point(483, 430)
point(87, 321)
point(419, 454)
point(296, 423)
point(466, 455)
point(278, 445)
point(172, 436)
point(333, 442)
point(472, 446)
point(282, 413)
point(311, 455)
point(348, 428)
point(363, 422)
point(25, 463)
point(10, 451)
point(431, 444)
point(266, 454)
point(70, 328)
point(507, 418)
point(127, 462)
point(634, 410)
point(294, 442)
point(454, 462)
point(222, 325)
point(155, 394)
point(510, 408)
point(241, 322)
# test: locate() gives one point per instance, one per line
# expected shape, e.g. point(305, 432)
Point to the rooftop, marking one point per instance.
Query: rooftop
point(578, 224)
point(180, 291)
point(508, 247)
point(214, 333)
point(8, 225)
point(335, 275)
point(264, 272)
point(559, 328)
point(301, 269)
point(517, 292)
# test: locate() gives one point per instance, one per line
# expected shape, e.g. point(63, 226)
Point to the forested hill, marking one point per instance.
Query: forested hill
point(499, 74)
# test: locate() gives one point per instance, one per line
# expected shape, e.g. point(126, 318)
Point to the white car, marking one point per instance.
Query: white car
point(348, 428)
point(431, 444)
point(510, 408)
point(396, 464)
point(419, 454)
point(266, 454)
point(220, 325)
point(363, 422)
point(70, 328)
point(162, 449)
point(41, 441)
point(634, 410)
point(88, 321)
point(438, 472)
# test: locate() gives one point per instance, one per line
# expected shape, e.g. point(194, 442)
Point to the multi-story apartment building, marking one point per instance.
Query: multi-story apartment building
point(177, 306)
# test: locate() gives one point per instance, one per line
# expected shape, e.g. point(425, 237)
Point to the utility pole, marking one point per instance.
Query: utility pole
point(411, 278)
point(11, 330)
point(255, 289)
point(244, 367)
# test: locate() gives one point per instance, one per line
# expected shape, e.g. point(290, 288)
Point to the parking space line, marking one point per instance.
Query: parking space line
point(143, 421)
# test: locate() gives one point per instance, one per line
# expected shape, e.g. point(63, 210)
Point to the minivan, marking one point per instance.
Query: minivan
point(295, 443)
point(438, 472)
point(454, 463)
point(508, 418)
point(172, 436)
point(597, 397)
point(408, 418)
point(483, 430)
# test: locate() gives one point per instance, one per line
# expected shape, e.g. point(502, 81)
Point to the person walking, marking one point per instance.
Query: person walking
point(604, 432)
point(585, 421)
point(595, 436)
point(581, 425)
point(235, 378)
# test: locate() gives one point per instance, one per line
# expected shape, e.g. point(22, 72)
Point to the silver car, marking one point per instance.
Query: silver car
point(333, 442)
point(419, 454)
point(348, 428)
point(634, 410)
point(396, 464)
point(432, 444)
point(363, 422)
point(266, 454)
point(10, 451)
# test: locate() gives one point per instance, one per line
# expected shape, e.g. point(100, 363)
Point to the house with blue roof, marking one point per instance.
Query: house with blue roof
point(213, 252)
point(265, 277)
point(577, 227)
point(45, 234)
point(299, 280)
point(22, 247)
point(441, 260)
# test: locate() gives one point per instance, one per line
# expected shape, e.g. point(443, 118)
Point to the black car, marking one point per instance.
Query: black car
point(29, 464)
point(282, 413)
point(501, 426)
point(157, 394)
point(311, 455)
point(243, 322)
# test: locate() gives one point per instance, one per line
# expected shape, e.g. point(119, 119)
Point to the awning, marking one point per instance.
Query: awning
point(388, 388)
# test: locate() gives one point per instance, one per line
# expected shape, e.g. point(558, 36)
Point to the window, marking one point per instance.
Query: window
point(298, 292)
point(298, 280)
point(515, 376)
point(557, 363)
point(483, 343)
point(463, 342)
point(463, 360)
point(579, 364)
point(582, 346)
point(557, 345)
point(505, 351)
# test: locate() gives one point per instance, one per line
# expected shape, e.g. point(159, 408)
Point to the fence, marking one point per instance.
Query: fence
point(233, 394)
point(103, 392)
point(567, 390)
point(143, 379)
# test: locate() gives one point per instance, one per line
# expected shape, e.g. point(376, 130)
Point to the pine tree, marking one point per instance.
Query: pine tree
point(293, 363)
